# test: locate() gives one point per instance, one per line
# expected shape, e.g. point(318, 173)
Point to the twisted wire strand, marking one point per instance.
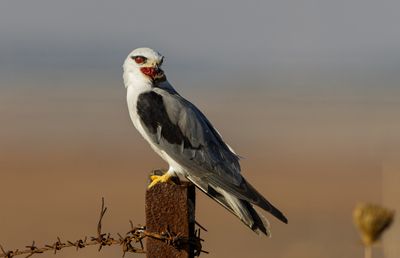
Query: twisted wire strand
point(132, 242)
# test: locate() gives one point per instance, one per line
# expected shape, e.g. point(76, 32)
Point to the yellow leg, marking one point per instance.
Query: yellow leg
point(159, 179)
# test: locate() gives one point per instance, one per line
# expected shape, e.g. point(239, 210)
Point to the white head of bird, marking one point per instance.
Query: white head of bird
point(143, 65)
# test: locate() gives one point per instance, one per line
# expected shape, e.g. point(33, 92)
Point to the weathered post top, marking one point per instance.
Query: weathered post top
point(170, 207)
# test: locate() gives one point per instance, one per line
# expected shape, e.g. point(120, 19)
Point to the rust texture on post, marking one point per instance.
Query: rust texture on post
point(170, 207)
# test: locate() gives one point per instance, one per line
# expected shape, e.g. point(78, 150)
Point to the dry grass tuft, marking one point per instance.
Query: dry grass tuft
point(372, 220)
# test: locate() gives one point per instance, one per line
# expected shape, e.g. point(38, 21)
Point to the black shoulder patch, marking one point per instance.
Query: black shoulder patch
point(151, 109)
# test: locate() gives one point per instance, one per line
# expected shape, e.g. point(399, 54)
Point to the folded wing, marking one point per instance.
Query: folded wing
point(186, 135)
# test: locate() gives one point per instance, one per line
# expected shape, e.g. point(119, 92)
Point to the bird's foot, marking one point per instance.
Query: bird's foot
point(155, 179)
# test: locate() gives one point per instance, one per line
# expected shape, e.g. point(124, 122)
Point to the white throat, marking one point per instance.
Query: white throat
point(135, 78)
point(135, 83)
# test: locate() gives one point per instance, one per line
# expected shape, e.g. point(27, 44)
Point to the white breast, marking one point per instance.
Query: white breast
point(132, 97)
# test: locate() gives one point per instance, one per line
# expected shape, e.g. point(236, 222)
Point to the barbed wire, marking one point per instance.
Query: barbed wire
point(132, 242)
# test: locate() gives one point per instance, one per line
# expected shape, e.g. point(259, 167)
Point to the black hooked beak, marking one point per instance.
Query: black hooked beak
point(155, 73)
point(159, 75)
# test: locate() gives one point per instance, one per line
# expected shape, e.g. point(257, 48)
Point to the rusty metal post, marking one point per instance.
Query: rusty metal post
point(172, 207)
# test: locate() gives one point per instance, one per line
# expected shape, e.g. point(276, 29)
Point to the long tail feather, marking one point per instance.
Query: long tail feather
point(266, 205)
point(240, 208)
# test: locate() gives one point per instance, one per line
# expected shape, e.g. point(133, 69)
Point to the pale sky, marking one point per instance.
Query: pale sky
point(355, 34)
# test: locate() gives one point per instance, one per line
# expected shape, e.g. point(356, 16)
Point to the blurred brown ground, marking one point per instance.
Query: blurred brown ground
point(313, 153)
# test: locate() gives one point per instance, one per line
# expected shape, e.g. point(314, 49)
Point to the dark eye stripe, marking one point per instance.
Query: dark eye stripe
point(139, 59)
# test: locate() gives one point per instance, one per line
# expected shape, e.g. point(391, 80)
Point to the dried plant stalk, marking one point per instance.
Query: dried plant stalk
point(371, 220)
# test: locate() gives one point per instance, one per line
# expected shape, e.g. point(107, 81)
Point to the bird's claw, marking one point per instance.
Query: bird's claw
point(159, 179)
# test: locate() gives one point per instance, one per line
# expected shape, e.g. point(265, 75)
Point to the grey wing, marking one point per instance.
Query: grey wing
point(201, 149)
point(186, 135)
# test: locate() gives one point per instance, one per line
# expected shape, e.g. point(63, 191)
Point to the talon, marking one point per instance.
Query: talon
point(159, 179)
point(152, 178)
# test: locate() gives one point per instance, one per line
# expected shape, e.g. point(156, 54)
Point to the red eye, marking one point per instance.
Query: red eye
point(139, 59)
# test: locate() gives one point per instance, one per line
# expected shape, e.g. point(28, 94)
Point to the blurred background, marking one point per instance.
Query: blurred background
point(307, 91)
